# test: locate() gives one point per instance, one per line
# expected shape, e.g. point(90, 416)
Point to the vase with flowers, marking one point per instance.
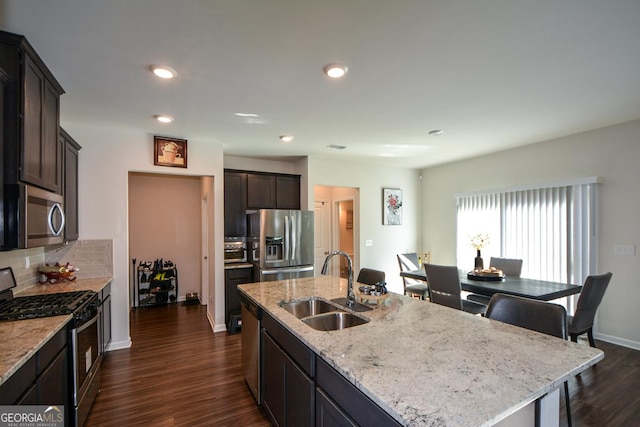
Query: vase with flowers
point(478, 242)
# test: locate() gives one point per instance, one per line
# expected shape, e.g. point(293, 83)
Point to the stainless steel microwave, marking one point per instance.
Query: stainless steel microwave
point(35, 217)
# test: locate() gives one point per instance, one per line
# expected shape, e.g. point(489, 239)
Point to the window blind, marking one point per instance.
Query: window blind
point(551, 228)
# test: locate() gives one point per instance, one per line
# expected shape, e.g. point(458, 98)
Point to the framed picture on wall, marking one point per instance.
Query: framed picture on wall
point(169, 152)
point(392, 206)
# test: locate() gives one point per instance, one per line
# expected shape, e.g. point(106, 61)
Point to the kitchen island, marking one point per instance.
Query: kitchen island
point(425, 364)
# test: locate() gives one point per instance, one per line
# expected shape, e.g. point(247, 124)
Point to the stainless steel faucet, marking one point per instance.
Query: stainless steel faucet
point(351, 297)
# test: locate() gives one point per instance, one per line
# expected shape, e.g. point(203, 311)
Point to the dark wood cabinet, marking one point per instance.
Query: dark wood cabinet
point(70, 192)
point(288, 192)
point(261, 191)
point(353, 403)
point(288, 391)
point(233, 278)
point(43, 379)
point(41, 151)
point(329, 414)
point(245, 190)
point(235, 204)
point(105, 318)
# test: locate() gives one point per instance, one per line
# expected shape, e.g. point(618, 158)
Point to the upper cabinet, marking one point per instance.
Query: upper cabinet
point(71, 149)
point(235, 204)
point(261, 191)
point(32, 117)
point(245, 190)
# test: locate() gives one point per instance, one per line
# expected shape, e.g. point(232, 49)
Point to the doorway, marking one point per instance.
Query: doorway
point(336, 226)
point(166, 222)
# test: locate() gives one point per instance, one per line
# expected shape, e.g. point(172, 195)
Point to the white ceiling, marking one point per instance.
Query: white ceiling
point(492, 74)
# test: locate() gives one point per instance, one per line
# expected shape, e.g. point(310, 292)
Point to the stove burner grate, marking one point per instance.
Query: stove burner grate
point(45, 305)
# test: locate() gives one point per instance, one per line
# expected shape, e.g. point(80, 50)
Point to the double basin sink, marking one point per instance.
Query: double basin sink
point(321, 315)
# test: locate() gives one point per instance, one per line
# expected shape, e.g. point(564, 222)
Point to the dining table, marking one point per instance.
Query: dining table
point(519, 286)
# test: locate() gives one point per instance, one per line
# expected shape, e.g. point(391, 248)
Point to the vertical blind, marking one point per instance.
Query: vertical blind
point(551, 228)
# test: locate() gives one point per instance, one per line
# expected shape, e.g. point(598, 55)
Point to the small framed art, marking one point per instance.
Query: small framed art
point(169, 152)
point(392, 206)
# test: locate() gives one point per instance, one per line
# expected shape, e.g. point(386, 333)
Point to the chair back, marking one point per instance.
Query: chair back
point(539, 316)
point(444, 285)
point(589, 300)
point(369, 276)
point(408, 261)
point(509, 266)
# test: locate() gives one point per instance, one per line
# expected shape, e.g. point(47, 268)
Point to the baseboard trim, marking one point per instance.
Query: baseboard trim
point(119, 345)
point(617, 341)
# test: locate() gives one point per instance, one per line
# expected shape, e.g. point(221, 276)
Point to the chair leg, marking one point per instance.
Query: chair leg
point(567, 402)
point(592, 342)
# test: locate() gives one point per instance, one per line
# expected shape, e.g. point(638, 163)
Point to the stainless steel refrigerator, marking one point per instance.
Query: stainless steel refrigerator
point(281, 244)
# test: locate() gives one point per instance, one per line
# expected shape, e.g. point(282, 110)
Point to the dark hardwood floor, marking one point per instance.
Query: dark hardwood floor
point(178, 373)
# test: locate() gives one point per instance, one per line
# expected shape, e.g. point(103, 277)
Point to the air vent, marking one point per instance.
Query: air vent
point(336, 147)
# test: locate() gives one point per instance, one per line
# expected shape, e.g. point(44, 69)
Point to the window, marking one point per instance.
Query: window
point(551, 228)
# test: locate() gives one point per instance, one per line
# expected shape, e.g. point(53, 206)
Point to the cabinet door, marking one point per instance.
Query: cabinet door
point(287, 192)
point(41, 151)
point(235, 204)
point(261, 191)
point(288, 391)
point(71, 148)
point(53, 381)
point(274, 376)
point(106, 322)
point(328, 414)
point(233, 278)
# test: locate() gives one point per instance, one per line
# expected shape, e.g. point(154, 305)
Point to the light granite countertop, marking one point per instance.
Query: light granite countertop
point(21, 339)
point(429, 365)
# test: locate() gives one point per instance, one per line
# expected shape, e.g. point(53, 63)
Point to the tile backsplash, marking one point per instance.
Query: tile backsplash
point(93, 258)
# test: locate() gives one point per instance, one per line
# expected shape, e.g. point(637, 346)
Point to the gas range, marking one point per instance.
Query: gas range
point(45, 305)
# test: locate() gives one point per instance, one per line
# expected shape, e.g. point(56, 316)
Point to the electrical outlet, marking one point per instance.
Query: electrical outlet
point(27, 262)
point(628, 250)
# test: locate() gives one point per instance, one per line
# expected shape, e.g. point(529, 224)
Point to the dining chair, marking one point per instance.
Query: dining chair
point(540, 316)
point(444, 289)
point(408, 262)
point(590, 297)
point(369, 276)
point(510, 267)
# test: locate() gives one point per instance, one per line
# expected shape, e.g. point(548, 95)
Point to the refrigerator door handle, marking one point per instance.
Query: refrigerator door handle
point(293, 239)
point(287, 238)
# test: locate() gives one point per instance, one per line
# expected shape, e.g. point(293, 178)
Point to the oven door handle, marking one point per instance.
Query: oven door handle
point(84, 326)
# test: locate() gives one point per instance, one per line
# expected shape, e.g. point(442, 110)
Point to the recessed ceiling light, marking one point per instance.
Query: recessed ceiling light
point(246, 115)
point(436, 132)
point(163, 71)
point(286, 138)
point(335, 71)
point(163, 118)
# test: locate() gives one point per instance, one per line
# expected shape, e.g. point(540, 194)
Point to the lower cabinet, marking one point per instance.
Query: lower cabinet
point(232, 278)
point(329, 414)
point(300, 389)
point(105, 319)
point(43, 379)
point(288, 392)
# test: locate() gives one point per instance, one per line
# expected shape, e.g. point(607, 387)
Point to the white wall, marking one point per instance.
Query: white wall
point(106, 158)
point(387, 240)
point(611, 153)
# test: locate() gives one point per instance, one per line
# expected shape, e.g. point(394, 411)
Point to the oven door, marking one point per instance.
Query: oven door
point(85, 340)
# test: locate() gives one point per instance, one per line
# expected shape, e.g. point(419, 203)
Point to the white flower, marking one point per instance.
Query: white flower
point(479, 241)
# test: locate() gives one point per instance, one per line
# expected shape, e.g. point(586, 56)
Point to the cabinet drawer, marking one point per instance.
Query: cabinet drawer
point(18, 383)
point(49, 351)
point(239, 274)
point(299, 352)
point(352, 401)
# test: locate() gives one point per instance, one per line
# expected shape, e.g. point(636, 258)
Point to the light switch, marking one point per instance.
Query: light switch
point(624, 249)
point(368, 242)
